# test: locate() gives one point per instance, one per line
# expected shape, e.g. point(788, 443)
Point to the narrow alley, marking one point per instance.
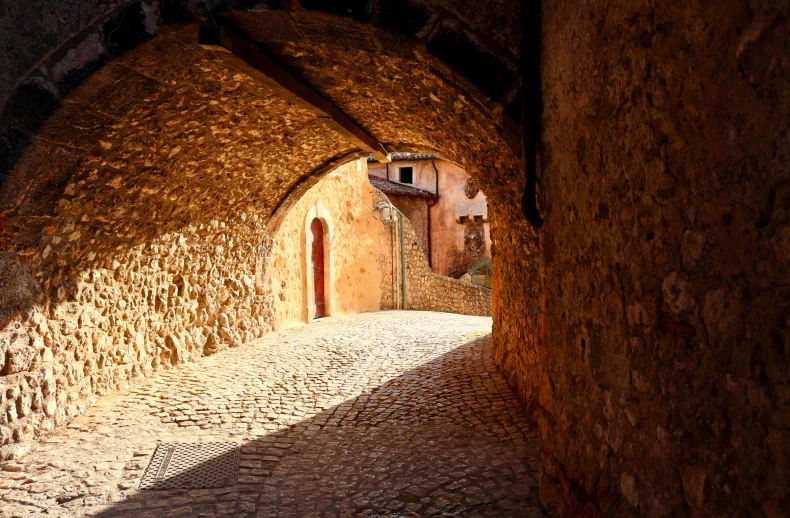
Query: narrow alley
point(398, 413)
point(394, 258)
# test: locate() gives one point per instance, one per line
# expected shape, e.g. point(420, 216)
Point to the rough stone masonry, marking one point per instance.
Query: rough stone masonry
point(646, 322)
point(171, 166)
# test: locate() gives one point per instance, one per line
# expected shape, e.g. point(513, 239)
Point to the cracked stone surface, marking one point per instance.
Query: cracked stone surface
point(397, 413)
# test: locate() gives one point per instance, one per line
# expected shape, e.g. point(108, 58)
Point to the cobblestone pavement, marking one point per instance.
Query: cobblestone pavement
point(397, 413)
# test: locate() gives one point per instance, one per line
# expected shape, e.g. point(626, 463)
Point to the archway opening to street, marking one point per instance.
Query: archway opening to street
point(146, 164)
point(447, 208)
point(138, 223)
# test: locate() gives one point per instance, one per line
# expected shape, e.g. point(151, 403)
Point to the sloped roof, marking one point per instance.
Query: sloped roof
point(396, 156)
point(399, 189)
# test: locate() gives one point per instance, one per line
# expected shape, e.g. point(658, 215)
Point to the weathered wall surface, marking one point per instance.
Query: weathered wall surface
point(416, 210)
point(665, 181)
point(131, 229)
point(517, 305)
point(460, 239)
point(425, 290)
point(346, 197)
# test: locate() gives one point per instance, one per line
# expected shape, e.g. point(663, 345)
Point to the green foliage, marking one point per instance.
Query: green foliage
point(481, 268)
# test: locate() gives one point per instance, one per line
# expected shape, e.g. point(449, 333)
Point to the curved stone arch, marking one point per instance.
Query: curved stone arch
point(90, 34)
point(148, 70)
point(264, 249)
point(319, 212)
point(149, 74)
point(165, 162)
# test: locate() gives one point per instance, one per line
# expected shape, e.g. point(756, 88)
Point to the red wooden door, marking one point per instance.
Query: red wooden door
point(318, 267)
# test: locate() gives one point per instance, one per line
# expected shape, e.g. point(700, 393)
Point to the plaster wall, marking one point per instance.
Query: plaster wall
point(460, 227)
point(343, 199)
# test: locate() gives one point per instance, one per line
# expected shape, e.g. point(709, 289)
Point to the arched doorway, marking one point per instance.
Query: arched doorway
point(317, 260)
point(318, 263)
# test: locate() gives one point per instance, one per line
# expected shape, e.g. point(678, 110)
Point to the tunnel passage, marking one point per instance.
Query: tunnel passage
point(137, 222)
point(653, 350)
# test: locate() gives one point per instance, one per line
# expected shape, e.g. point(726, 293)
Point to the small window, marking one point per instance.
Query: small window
point(406, 175)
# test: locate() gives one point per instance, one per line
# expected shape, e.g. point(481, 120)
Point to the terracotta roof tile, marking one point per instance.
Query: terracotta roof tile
point(399, 189)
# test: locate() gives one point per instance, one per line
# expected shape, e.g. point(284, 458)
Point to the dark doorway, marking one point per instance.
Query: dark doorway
point(318, 267)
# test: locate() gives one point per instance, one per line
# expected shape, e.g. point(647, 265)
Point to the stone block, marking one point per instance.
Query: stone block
point(616, 370)
point(629, 489)
point(723, 315)
point(19, 357)
point(213, 344)
point(50, 407)
point(694, 482)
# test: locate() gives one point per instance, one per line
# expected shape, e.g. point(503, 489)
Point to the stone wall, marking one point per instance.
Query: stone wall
point(665, 177)
point(649, 327)
point(123, 250)
point(425, 290)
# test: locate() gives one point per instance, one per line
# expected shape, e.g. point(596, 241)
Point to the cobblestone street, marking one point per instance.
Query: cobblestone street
point(380, 414)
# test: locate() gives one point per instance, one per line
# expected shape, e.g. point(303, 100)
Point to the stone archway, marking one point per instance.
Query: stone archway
point(652, 351)
point(162, 172)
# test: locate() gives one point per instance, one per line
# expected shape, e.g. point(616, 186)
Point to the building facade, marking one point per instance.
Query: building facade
point(446, 206)
point(331, 254)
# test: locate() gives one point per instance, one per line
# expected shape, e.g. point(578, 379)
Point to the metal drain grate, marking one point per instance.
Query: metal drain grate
point(192, 466)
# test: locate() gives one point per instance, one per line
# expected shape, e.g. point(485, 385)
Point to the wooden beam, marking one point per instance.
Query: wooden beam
point(254, 62)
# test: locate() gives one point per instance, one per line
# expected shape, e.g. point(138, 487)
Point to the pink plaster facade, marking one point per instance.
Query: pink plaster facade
point(458, 226)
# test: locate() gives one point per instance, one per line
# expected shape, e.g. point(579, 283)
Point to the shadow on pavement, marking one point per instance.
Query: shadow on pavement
point(448, 438)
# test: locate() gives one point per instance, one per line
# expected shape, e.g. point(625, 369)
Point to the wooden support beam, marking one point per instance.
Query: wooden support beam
point(251, 60)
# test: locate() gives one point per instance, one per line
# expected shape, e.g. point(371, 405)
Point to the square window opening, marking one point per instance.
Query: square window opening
point(406, 174)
